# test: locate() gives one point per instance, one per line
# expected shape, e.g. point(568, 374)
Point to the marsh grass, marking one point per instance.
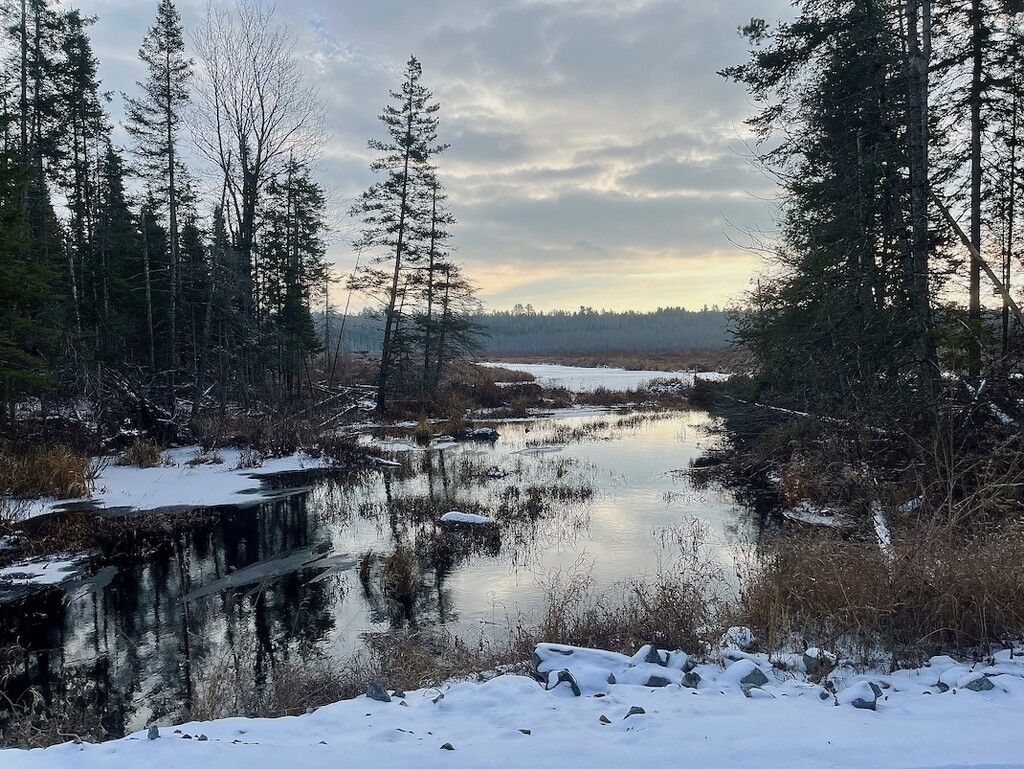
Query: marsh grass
point(683, 604)
point(56, 471)
point(141, 453)
point(407, 660)
point(940, 593)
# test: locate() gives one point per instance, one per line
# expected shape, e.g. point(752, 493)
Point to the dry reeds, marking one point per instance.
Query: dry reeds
point(47, 472)
point(941, 592)
point(142, 453)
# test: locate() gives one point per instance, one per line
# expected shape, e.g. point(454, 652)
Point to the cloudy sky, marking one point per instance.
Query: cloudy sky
point(596, 158)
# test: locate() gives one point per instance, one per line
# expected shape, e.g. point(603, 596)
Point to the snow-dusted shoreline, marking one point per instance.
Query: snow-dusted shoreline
point(512, 721)
point(186, 477)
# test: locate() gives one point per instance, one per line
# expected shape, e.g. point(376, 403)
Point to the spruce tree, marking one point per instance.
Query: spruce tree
point(395, 212)
point(154, 121)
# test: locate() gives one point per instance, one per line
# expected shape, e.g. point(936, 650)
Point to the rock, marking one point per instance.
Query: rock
point(611, 678)
point(818, 663)
point(527, 732)
point(691, 679)
point(636, 710)
point(604, 719)
point(202, 738)
point(823, 695)
point(942, 687)
point(653, 656)
point(679, 660)
point(564, 676)
point(863, 695)
point(982, 683)
point(438, 698)
point(447, 746)
point(755, 677)
point(377, 692)
point(404, 704)
point(153, 733)
point(658, 681)
point(398, 693)
point(538, 660)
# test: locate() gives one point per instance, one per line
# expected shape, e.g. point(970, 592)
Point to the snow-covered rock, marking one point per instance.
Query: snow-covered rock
point(454, 516)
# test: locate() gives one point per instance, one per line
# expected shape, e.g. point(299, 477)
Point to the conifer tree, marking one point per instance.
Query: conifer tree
point(154, 121)
point(395, 212)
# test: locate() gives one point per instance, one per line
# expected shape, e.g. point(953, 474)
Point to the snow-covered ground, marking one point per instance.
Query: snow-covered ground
point(580, 379)
point(512, 721)
point(186, 477)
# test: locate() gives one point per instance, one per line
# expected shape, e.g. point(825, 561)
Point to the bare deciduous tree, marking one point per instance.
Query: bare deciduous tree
point(252, 111)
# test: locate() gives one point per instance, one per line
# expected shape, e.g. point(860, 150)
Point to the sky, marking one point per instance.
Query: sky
point(596, 157)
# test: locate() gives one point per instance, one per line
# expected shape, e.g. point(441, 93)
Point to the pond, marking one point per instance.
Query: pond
point(304, 576)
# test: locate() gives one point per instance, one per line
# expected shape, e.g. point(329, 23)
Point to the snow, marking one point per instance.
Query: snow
point(49, 571)
point(514, 721)
point(581, 379)
point(454, 516)
point(178, 482)
point(812, 515)
point(882, 533)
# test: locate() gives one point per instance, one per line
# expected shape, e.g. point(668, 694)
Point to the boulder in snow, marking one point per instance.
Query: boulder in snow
point(377, 692)
point(864, 695)
point(741, 638)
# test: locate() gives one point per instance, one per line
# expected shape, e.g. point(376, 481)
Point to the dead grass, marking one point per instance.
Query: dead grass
point(271, 437)
point(682, 605)
point(47, 472)
point(725, 360)
point(142, 453)
point(400, 576)
point(940, 593)
point(397, 660)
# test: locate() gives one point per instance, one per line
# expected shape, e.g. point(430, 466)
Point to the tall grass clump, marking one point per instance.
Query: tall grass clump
point(141, 453)
point(47, 472)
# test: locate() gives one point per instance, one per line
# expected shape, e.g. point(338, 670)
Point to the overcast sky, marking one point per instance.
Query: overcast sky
point(596, 158)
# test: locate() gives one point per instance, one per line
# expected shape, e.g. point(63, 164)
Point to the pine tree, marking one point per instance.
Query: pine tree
point(395, 212)
point(154, 122)
point(292, 255)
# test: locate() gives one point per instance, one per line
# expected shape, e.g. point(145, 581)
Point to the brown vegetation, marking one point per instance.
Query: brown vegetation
point(142, 453)
point(728, 360)
point(940, 593)
point(47, 472)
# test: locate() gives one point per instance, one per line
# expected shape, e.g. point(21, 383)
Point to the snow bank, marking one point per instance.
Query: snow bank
point(454, 516)
point(514, 721)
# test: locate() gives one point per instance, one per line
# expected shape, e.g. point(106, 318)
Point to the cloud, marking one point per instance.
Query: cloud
point(587, 135)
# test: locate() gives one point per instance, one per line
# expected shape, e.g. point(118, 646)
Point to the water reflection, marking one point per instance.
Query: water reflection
point(308, 574)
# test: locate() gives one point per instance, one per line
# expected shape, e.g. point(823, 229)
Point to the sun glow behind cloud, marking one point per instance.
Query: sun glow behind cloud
point(596, 159)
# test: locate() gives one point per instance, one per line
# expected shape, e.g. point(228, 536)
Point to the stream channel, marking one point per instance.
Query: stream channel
point(593, 493)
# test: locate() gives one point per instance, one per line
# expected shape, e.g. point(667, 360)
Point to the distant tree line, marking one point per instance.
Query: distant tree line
point(524, 330)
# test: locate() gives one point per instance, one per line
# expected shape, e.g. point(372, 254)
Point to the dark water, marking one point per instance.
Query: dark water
point(280, 581)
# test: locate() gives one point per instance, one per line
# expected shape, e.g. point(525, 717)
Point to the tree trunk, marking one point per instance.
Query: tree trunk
point(918, 21)
point(974, 283)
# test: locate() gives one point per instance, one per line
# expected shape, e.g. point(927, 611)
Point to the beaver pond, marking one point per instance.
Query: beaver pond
point(312, 571)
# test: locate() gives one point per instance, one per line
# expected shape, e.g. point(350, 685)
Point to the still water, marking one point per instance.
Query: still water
point(302, 576)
